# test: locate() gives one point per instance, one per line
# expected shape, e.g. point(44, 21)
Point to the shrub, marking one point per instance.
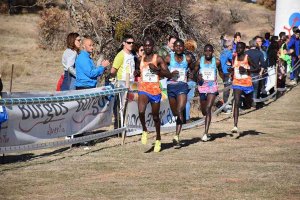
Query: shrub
point(271, 4)
point(52, 28)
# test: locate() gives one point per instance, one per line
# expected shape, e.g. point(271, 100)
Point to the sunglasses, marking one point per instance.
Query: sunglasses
point(141, 49)
point(129, 42)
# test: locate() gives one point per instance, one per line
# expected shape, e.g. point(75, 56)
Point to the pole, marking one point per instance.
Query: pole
point(11, 77)
point(127, 83)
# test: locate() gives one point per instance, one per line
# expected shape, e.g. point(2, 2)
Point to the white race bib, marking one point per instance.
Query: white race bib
point(238, 75)
point(182, 74)
point(148, 76)
point(208, 74)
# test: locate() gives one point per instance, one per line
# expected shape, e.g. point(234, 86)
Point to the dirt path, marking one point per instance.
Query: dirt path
point(263, 163)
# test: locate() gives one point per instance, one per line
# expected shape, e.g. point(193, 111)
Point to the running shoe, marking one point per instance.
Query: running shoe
point(144, 137)
point(176, 139)
point(206, 138)
point(157, 146)
point(234, 130)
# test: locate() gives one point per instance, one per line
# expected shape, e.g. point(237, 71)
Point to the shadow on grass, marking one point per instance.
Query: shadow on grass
point(249, 132)
point(219, 135)
point(183, 143)
point(8, 159)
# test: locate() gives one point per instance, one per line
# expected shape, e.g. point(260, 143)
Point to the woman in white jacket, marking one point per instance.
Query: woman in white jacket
point(68, 61)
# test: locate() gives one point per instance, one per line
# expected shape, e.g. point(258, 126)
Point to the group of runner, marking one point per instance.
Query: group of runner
point(151, 68)
point(177, 65)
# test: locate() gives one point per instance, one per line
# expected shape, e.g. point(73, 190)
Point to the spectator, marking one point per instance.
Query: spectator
point(256, 57)
point(68, 61)
point(267, 42)
point(294, 44)
point(167, 49)
point(226, 62)
point(124, 63)
point(86, 71)
point(190, 47)
point(236, 38)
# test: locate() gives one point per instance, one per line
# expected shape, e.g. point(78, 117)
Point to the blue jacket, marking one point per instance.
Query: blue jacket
point(86, 71)
point(226, 55)
point(294, 43)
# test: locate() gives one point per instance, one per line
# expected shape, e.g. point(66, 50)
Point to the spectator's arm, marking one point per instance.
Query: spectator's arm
point(89, 69)
point(70, 63)
point(118, 61)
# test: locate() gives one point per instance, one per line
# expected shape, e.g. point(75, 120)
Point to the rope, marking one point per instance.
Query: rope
point(56, 99)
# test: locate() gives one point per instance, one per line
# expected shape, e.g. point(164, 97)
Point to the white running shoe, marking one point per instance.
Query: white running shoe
point(234, 130)
point(205, 138)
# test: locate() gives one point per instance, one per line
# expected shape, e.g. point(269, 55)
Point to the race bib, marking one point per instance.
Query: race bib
point(238, 75)
point(208, 74)
point(182, 74)
point(148, 76)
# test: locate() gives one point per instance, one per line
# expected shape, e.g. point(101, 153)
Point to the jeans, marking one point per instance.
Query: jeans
point(255, 86)
point(294, 74)
point(68, 82)
point(190, 95)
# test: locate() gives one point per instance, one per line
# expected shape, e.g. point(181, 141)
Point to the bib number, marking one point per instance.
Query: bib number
point(181, 75)
point(238, 75)
point(148, 76)
point(208, 74)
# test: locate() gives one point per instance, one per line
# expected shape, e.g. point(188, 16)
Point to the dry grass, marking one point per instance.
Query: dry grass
point(263, 163)
point(35, 69)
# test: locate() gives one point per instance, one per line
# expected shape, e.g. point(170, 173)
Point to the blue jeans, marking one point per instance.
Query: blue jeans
point(256, 87)
point(190, 95)
point(68, 82)
point(294, 74)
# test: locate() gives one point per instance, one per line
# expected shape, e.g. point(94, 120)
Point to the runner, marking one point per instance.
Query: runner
point(177, 84)
point(151, 67)
point(242, 81)
point(207, 66)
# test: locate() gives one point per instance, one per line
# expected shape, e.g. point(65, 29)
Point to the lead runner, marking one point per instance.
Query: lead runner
point(152, 67)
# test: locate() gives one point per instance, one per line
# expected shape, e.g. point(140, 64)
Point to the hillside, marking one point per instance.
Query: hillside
point(38, 70)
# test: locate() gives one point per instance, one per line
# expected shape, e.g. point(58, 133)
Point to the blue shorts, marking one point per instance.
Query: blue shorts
point(203, 96)
point(177, 89)
point(151, 98)
point(245, 89)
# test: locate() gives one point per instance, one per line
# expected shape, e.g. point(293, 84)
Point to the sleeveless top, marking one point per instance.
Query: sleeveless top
point(180, 67)
point(241, 79)
point(209, 74)
point(149, 81)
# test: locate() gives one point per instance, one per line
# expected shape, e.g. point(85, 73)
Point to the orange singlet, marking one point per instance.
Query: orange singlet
point(149, 81)
point(241, 79)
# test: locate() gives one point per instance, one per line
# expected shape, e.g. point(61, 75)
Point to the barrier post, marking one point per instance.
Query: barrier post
point(127, 84)
point(11, 78)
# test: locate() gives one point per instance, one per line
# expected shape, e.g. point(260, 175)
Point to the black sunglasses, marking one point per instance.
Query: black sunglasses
point(129, 42)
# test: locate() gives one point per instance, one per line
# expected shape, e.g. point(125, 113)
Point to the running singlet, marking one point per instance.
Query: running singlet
point(180, 67)
point(124, 63)
point(209, 75)
point(241, 79)
point(150, 81)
